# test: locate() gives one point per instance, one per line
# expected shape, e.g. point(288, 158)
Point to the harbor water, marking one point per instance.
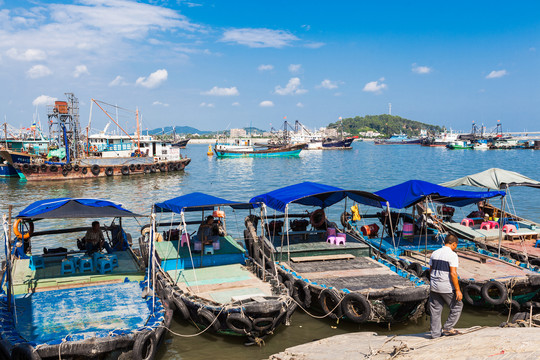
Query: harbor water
point(365, 167)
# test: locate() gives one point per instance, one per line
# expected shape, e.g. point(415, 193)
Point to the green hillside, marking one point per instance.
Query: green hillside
point(384, 124)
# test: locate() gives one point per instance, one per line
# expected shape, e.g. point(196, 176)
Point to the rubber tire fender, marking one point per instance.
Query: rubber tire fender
point(146, 169)
point(125, 170)
point(415, 268)
point(467, 294)
point(207, 318)
point(162, 167)
point(181, 306)
point(145, 344)
point(301, 290)
point(53, 168)
point(109, 171)
point(262, 324)
point(288, 281)
point(356, 307)
point(280, 318)
point(24, 351)
point(138, 167)
point(153, 169)
point(314, 215)
point(132, 167)
point(43, 168)
point(68, 167)
point(65, 171)
point(503, 292)
point(330, 297)
point(76, 168)
point(95, 169)
point(235, 319)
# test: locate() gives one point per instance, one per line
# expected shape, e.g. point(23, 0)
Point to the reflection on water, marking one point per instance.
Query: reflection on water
point(365, 167)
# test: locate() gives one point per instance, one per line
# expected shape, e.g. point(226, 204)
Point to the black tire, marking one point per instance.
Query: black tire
point(171, 167)
point(239, 323)
point(263, 323)
point(515, 306)
point(95, 169)
point(343, 218)
point(68, 167)
point(109, 171)
point(181, 307)
point(43, 168)
point(415, 268)
point(356, 307)
point(76, 168)
point(153, 169)
point(278, 320)
point(26, 167)
point(426, 275)
point(138, 167)
point(523, 316)
point(132, 167)
point(145, 346)
point(146, 169)
point(125, 170)
point(65, 172)
point(328, 301)
point(24, 351)
point(53, 168)
point(302, 293)
point(503, 292)
point(84, 170)
point(535, 262)
point(35, 168)
point(288, 281)
point(472, 289)
point(208, 319)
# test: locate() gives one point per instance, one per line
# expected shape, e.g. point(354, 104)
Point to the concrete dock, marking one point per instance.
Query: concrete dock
point(491, 343)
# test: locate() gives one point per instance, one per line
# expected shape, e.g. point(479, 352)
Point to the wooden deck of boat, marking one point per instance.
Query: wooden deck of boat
point(222, 283)
point(493, 234)
point(50, 278)
point(525, 246)
point(356, 274)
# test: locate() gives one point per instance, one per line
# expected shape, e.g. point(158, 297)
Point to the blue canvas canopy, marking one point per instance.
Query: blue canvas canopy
point(414, 191)
point(71, 208)
point(197, 202)
point(314, 194)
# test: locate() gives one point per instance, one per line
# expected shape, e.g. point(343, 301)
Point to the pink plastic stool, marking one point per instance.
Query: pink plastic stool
point(485, 225)
point(331, 240)
point(493, 224)
point(216, 245)
point(185, 239)
point(340, 239)
point(467, 222)
point(509, 228)
point(331, 232)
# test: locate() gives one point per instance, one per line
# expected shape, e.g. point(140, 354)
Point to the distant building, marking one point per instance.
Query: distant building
point(370, 134)
point(331, 132)
point(267, 134)
point(235, 133)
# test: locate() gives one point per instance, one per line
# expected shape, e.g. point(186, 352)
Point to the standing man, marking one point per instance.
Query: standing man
point(444, 289)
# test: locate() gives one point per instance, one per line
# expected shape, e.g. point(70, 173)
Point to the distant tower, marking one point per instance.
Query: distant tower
point(389, 108)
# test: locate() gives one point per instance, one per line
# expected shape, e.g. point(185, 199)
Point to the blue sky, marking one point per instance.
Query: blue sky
point(219, 64)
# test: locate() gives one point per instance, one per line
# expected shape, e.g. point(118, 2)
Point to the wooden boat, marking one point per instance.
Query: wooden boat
point(342, 280)
point(245, 148)
point(485, 278)
point(210, 279)
point(67, 303)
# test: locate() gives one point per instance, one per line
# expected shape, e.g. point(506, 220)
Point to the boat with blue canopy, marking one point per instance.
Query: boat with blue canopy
point(326, 269)
point(207, 274)
point(410, 237)
point(75, 300)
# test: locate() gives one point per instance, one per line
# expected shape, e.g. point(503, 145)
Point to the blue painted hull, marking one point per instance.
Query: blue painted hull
point(7, 170)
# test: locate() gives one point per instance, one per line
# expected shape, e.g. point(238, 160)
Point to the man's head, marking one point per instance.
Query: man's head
point(210, 220)
point(95, 225)
point(451, 241)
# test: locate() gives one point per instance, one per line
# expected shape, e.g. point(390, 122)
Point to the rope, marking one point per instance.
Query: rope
point(312, 315)
point(200, 332)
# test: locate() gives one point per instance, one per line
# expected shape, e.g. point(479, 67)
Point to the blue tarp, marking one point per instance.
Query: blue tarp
point(414, 191)
point(314, 194)
point(67, 208)
point(197, 202)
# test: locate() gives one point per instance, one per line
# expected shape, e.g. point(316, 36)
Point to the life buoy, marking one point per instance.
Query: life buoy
point(494, 285)
point(208, 319)
point(302, 293)
point(239, 323)
point(95, 169)
point(317, 218)
point(43, 168)
point(94, 148)
point(84, 170)
point(24, 351)
point(125, 170)
point(53, 168)
point(328, 301)
point(356, 307)
point(263, 323)
point(181, 307)
point(145, 346)
point(29, 231)
point(109, 171)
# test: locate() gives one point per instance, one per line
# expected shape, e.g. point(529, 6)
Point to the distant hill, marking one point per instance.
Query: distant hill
point(184, 130)
point(384, 124)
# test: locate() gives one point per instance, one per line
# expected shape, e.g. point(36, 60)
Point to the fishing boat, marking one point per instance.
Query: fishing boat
point(208, 276)
point(441, 140)
point(326, 269)
point(71, 303)
point(480, 145)
point(456, 145)
point(245, 148)
point(399, 139)
point(511, 235)
point(486, 279)
point(182, 143)
point(315, 140)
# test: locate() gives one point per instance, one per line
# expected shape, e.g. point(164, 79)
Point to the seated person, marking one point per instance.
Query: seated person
point(94, 241)
point(209, 231)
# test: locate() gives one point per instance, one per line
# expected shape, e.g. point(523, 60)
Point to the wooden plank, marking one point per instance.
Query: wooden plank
point(322, 257)
point(480, 257)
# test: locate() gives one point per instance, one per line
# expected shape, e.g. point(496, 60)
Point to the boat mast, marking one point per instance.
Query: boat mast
point(138, 131)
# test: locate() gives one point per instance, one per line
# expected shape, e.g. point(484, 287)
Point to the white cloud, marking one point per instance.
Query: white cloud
point(295, 68)
point(293, 88)
point(27, 55)
point(118, 81)
point(421, 69)
point(266, 103)
point(300, 105)
point(496, 74)
point(236, 103)
point(203, 104)
point(314, 45)
point(264, 67)
point(154, 80)
point(375, 86)
point(80, 70)
point(259, 38)
point(38, 71)
point(44, 100)
point(160, 103)
point(217, 91)
point(328, 84)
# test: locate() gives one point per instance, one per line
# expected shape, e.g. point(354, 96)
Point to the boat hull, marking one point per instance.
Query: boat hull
point(289, 151)
point(338, 144)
